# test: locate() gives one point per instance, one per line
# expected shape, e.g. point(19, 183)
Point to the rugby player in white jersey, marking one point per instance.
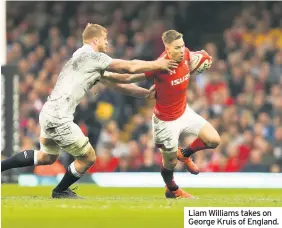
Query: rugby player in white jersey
point(58, 131)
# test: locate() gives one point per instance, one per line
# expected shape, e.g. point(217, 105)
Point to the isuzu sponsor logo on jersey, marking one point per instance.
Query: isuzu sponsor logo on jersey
point(180, 80)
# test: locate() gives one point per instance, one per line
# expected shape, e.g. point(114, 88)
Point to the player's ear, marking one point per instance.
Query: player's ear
point(95, 41)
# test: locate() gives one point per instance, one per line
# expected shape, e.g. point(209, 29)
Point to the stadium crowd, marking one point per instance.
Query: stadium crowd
point(241, 95)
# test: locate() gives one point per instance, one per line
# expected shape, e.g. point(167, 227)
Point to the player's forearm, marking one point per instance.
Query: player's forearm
point(133, 90)
point(123, 78)
point(139, 66)
point(117, 78)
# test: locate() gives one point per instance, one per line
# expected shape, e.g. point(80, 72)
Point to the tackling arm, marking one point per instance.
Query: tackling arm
point(139, 66)
point(123, 78)
point(131, 90)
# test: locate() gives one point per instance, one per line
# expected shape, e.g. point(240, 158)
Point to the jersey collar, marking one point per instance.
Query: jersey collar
point(87, 47)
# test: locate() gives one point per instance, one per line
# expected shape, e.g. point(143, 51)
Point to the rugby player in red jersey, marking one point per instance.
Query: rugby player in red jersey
point(172, 115)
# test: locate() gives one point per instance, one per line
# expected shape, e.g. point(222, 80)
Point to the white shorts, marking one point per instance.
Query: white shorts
point(67, 136)
point(166, 133)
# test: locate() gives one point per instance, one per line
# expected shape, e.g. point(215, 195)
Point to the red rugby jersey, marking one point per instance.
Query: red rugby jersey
point(171, 89)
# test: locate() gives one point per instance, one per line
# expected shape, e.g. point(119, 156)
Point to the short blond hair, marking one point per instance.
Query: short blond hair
point(171, 35)
point(91, 31)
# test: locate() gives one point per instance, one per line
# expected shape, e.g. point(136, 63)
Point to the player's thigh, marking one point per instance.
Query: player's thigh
point(47, 130)
point(191, 122)
point(209, 135)
point(88, 157)
point(48, 145)
point(72, 140)
point(165, 134)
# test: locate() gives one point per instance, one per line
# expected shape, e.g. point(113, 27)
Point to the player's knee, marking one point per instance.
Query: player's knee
point(92, 160)
point(46, 159)
point(89, 162)
point(213, 141)
point(173, 162)
point(169, 160)
point(50, 161)
point(86, 160)
point(170, 164)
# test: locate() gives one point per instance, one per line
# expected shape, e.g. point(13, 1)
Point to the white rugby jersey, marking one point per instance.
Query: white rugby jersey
point(78, 75)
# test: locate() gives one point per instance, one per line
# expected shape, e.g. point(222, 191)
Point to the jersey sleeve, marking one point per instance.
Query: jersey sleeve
point(101, 60)
point(187, 53)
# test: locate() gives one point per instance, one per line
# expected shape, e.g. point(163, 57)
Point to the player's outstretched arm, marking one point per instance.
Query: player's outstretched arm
point(131, 90)
point(123, 78)
point(139, 66)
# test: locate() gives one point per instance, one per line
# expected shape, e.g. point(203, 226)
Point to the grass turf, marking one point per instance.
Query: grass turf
point(28, 207)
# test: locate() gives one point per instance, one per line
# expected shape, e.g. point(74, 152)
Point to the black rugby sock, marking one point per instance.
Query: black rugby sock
point(22, 159)
point(168, 179)
point(70, 177)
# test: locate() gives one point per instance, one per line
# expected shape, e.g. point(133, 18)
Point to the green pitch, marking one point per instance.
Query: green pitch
point(32, 207)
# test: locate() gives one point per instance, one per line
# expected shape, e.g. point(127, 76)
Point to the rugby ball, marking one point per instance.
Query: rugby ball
point(199, 61)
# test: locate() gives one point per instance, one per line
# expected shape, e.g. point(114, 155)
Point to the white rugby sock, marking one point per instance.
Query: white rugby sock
point(74, 171)
point(35, 159)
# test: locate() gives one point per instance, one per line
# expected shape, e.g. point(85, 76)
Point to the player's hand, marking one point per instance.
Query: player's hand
point(167, 64)
point(152, 94)
point(208, 64)
point(207, 54)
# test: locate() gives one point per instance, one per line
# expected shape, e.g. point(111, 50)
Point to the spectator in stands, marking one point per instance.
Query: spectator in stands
point(254, 164)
